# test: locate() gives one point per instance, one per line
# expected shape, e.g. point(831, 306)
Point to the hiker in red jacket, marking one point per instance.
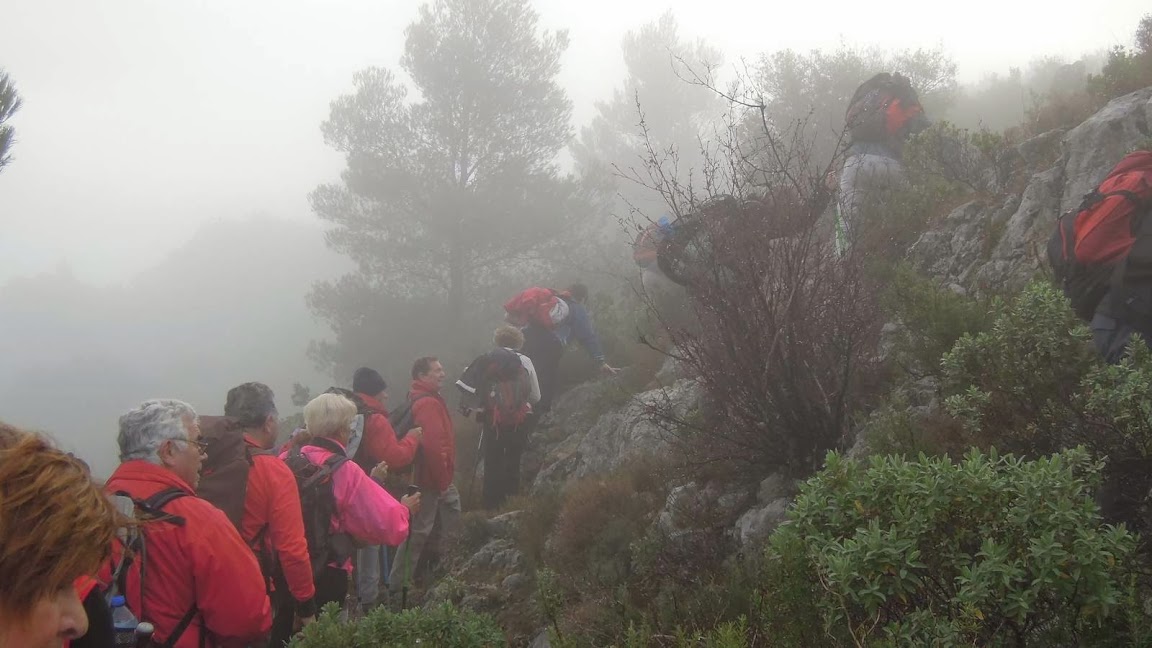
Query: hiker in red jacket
point(198, 583)
point(273, 525)
point(440, 501)
point(379, 444)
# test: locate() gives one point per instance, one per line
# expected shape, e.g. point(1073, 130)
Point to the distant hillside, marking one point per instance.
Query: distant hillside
point(226, 307)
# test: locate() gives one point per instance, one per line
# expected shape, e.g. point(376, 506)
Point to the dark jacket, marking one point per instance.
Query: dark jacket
point(578, 326)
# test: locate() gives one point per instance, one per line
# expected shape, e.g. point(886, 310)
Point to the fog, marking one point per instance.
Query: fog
point(158, 239)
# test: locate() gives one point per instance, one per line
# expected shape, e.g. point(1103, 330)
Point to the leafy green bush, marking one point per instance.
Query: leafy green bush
point(1116, 401)
point(897, 426)
point(1013, 385)
point(444, 626)
point(1127, 70)
point(933, 318)
point(993, 550)
point(1032, 384)
point(981, 161)
point(787, 607)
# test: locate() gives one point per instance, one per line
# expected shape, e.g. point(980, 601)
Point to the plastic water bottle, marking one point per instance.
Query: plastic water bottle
point(123, 623)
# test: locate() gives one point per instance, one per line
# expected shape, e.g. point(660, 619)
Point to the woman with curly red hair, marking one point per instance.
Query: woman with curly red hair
point(56, 528)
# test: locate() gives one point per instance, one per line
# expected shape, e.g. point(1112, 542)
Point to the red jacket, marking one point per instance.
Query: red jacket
point(272, 510)
point(379, 442)
point(438, 460)
point(203, 562)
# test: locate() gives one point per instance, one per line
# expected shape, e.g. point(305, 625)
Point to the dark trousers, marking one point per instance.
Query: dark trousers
point(503, 447)
point(283, 616)
point(331, 585)
point(544, 349)
point(1119, 319)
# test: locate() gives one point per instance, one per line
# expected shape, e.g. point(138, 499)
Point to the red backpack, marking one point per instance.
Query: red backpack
point(498, 384)
point(541, 306)
point(1101, 245)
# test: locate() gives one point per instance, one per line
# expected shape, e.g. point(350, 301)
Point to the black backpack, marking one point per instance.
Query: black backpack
point(866, 115)
point(133, 540)
point(318, 504)
point(361, 407)
point(402, 419)
point(689, 249)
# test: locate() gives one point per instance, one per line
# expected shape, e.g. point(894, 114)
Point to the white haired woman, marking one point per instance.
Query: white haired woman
point(364, 511)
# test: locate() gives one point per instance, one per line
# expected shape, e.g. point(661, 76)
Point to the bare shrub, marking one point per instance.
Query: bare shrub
point(787, 329)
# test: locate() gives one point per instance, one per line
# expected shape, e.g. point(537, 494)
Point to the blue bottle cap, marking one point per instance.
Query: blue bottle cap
point(117, 601)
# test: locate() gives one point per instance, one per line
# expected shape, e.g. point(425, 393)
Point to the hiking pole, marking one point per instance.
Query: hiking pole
point(406, 567)
point(476, 464)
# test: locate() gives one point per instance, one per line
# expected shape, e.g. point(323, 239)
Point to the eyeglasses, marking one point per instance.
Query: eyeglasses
point(201, 444)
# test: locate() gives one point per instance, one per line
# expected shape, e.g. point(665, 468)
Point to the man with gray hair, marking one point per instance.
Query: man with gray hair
point(272, 525)
point(198, 584)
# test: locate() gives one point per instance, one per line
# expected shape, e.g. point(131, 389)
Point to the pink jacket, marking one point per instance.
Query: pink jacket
point(364, 509)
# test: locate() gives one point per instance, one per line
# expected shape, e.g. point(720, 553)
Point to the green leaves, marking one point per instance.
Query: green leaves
point(441, 626)
point(984, 550)
point(1012, 386)
point(9, 104)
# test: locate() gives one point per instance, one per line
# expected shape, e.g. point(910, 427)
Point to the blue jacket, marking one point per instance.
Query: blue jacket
point(578, 325)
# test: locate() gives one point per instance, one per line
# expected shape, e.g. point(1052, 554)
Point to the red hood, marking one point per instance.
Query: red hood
point(145, 478)
point(372, 403)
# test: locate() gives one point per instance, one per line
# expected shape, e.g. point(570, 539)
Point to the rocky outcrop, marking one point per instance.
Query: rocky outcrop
point(623, 433)
point(1093, 147)
point(770, 509)
point(493, 578)
point(999, 245)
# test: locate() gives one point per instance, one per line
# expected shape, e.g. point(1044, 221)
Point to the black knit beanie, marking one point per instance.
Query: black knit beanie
point(368, 381)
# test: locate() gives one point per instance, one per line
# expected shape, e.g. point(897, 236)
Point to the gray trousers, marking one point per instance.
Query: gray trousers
point(368, 571)
point(1112, 337)
point(443, 507)
point(866, 181)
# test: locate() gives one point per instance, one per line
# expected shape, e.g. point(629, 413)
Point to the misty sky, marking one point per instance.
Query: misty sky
point(144, 118)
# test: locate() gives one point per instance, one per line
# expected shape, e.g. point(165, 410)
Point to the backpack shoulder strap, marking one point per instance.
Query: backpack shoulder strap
point(325, 470)
point(161, 499)
point(181, 627)
point(334, 462)
point(327, 444)
point(153, 509)
point(153, 506)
